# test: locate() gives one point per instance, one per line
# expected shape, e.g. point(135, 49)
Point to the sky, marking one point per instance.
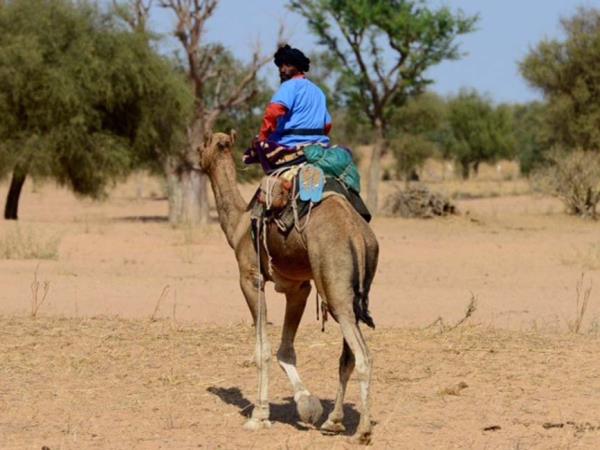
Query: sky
point(506, 31)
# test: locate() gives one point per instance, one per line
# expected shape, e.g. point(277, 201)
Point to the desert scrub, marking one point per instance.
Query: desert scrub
point(25, 243)
point(574, 177)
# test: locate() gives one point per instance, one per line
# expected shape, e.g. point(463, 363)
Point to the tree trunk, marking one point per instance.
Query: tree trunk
point(187, 191)
point(194, 199)
point(174, 193)
point(14, 193)
point(464, 170)
point(375, 170)
point(476, 168)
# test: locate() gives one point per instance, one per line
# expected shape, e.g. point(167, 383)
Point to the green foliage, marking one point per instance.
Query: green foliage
point(531, 135)
point(415, 131)
point(383, 48)
point(478, 131)
point(82, 100)
point(567, 73)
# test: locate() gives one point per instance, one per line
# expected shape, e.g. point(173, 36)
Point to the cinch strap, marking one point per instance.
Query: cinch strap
point(304, 132)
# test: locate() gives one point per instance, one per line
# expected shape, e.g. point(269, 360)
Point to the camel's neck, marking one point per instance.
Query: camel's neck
point(229, 201)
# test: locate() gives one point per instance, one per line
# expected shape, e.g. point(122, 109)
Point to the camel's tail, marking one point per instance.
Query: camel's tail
point(362, 278)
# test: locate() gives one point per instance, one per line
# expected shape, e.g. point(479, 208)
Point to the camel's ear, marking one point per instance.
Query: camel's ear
point(207, 139)
point(233, 136)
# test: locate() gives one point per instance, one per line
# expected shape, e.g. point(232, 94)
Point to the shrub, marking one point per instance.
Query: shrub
point(26, 244)
point(417, 202)
point(574, 177)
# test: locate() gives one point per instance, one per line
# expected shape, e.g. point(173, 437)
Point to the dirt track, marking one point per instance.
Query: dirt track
point(70, 380)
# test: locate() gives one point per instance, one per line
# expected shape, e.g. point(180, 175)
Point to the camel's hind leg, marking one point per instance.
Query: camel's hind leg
point(309, 407)
point(334, 424)
point(363, 362)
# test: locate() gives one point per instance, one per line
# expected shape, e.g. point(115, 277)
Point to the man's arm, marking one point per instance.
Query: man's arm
point(328, 123)
point(273, 113)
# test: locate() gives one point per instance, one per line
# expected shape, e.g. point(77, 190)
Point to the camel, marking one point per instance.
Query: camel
point(336, 249)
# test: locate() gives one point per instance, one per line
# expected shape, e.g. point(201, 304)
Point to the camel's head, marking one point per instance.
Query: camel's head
point(215, 145)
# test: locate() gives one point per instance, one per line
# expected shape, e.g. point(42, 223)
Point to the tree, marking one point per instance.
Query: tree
point(78, 98)
point(415, 130)
point(568, 74)
point(531, 135)
point(383, 49)
point(478, 131)
point(219, 85)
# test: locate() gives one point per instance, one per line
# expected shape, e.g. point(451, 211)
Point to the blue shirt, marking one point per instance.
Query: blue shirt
point(307, 109)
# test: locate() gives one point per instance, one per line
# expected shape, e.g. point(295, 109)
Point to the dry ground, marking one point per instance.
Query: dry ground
point(93, 371)
point(118, 384)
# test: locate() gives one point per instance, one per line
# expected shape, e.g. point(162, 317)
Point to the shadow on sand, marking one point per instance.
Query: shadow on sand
point(284, 412)
point(142, 219)
point(154, 219)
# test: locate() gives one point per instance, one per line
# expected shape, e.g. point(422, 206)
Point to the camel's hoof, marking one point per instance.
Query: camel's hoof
point(257, 424)
point(309, 409)
point(330, 427)
point(363, 438)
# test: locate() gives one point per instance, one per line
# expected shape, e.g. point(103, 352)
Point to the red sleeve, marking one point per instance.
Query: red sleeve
point(269, 124)
point(328, 128)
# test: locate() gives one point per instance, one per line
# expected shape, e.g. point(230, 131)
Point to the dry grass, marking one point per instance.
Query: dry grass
point(160, 300)
point(587, 258)
point(443, 327)
point(121, 384)
point(38, 298)
point(25, 243)
point(582, 299)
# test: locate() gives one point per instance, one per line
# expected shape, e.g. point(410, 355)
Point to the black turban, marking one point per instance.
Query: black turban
point(292, 57)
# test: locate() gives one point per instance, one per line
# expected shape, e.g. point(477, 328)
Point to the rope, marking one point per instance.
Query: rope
point(260, 280)
point(264, 238)
point(300, 228)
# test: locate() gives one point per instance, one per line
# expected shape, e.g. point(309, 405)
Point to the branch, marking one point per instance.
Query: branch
point(241, 94)
point(191, 18)
point(384, 80)
point(135, 13)
point(354, 40)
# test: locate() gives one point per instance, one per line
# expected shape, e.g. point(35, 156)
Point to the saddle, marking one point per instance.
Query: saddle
point(287, 197)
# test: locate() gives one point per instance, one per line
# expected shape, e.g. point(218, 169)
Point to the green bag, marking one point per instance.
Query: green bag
point(336, 162)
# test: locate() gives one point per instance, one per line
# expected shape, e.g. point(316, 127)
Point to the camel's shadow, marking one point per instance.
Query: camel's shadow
point(286, 412)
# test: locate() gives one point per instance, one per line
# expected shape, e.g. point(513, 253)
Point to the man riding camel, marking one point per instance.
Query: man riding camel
point(296, 116)
point(293, 141)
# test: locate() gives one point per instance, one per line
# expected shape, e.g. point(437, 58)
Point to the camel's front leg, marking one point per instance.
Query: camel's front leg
point(254, 292)
point(308, 406)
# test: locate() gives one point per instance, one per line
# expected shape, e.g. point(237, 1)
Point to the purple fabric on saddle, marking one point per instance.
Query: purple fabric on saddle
point(272, 155)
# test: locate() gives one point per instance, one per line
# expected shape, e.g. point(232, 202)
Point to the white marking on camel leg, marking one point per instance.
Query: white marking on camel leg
point(309, 407)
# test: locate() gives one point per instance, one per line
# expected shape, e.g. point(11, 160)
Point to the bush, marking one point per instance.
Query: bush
point(20, 243)
point(417, 202)
point(574, 177)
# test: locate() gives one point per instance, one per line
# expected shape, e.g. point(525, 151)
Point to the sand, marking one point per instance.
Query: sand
point(93, 371)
